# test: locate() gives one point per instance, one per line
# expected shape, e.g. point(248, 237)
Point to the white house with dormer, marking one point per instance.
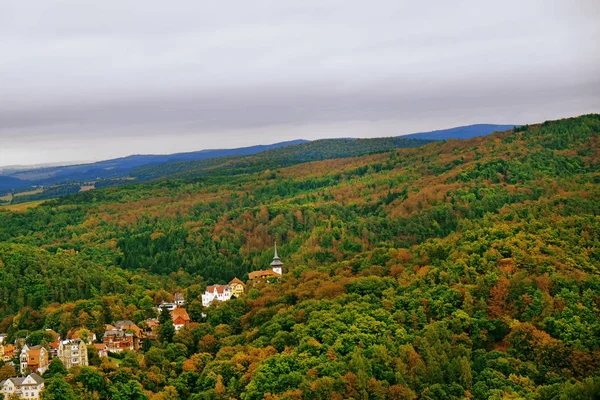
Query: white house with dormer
point(28, 387)
point(216, 293)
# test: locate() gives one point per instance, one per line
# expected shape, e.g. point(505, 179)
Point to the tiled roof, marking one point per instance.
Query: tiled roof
point(266, 272)
point(38, 379)
point(180, 312)
point(124, 323)
point(219, 288)
point(236, 280)
point(19, 381)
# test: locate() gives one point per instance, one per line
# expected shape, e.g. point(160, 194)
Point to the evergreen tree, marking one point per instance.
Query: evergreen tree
point(166, 329)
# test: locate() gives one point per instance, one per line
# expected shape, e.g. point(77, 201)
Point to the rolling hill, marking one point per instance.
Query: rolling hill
point(144, 167)
point(461, 132)
point(455, 269)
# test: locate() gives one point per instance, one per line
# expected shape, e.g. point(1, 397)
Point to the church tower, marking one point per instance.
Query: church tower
point(277, 264)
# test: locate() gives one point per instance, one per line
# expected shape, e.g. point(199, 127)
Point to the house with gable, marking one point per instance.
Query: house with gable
point(73, 352)
point(216, 293)
point(237, 287)
point(7, 352)
point(122, 335)
point(276, 270)
point(180, 318)
point(34, 359)
point(28, 387)
point(179, 299)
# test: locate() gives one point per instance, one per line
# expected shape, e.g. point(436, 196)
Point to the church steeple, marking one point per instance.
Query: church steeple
point(277, 264)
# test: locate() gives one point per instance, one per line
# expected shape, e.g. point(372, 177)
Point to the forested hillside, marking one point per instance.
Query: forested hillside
point(458, 269)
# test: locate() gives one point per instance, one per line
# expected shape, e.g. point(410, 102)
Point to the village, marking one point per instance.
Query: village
point(31, 362)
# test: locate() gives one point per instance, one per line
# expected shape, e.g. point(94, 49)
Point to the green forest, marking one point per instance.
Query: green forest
point(458, 269)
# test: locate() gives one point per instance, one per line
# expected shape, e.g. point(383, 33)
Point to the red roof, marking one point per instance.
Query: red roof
point(219, 288)
point(236, 280)
point(180, 313)
point(263, 273)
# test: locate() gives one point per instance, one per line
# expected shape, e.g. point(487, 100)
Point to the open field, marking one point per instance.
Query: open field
point(30, 192)
point(6, 198)
point(22, 206)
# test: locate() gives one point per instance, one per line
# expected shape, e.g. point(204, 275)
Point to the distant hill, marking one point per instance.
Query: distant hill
point(461, 132)
point(324, 149)
point(120, 167)
point(218, 161)
point(8, 183)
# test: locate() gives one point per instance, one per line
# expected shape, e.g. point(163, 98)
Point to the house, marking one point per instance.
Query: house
point(54, 348)
point(263, 274)
point(236, 287)
point(276, 270)
point(102, 349)
point(28, 387)
point(179, 299)
point(123, 335)
point(33, 359)
point(168, 306)
point(151, 330)
point(180, 318)
point(7, 352)
point(215, 293)
point(127, 325)
point(73, 352)
point(117, 341)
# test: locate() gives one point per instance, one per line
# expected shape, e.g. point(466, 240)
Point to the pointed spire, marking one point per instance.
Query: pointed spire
point(276, 261)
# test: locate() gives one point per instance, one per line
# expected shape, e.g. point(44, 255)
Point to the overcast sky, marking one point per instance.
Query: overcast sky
point(90, 80)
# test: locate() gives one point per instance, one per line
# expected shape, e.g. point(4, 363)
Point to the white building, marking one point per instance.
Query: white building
point(28, 387)
point(168, 306)
point(73, 353)
point(179, 299)
point(216, 293)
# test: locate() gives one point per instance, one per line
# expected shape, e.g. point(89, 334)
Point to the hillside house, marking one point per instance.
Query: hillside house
point(179, 300)
point(7, 352)
point(123, 335)
point(276, 270)
point(168, 306)
point(33, 359)
point(237, 287)
point(28, 387)
point(216, 293)
point(102, 349)
point(180, 318)
point(54, 348)
point(151, 329)
point(73, 352)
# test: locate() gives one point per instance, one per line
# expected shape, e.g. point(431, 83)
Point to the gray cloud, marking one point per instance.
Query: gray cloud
point(91, 80)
